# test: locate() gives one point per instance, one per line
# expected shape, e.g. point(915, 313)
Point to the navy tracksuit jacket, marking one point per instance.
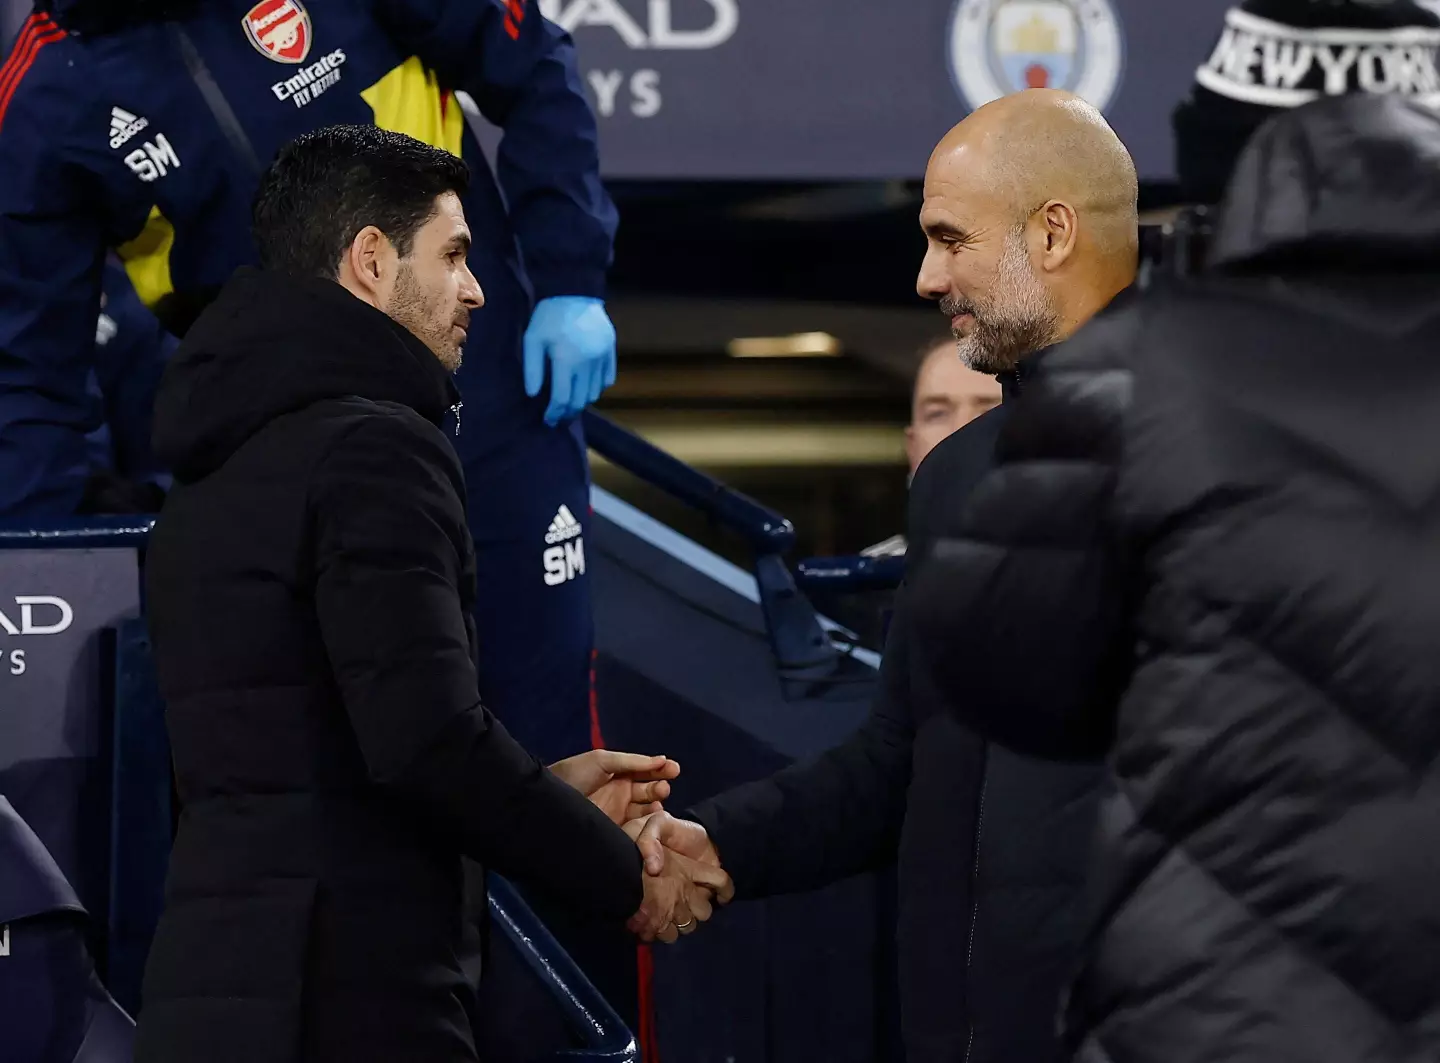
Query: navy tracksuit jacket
point(149, 139)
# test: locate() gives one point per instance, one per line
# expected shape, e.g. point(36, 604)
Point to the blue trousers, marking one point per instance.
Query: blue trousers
point(529, 514)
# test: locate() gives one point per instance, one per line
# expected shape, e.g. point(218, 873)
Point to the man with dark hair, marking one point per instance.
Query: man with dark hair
point(335, 182)
point(143, 126)
point(310, 582)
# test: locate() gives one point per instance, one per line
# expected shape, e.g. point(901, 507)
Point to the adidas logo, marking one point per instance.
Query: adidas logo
point(563, 527)
point(124, 125)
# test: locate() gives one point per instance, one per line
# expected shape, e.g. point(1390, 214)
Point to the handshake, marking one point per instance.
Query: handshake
point(683, 878)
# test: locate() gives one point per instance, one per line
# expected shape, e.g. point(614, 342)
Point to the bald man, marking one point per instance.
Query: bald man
point(1209, 548)
point(1030, 216)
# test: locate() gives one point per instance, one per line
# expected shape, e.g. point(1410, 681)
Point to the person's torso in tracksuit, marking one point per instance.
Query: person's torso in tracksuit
point(150, 139)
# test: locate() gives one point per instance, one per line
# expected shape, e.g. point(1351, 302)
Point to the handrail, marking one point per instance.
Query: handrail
point(802, 649)
point(77, 533)
point(800, 643)
point(767, 531)
point(587, 1012)
point(849, 574)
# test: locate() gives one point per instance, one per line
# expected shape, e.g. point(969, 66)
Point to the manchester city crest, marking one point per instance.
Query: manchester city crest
point(1002, 46)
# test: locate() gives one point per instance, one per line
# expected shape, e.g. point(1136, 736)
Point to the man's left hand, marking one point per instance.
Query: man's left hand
point(625, 786)
point(574, 334)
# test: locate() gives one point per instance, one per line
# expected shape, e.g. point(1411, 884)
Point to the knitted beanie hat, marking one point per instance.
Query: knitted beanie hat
point(1277, 54)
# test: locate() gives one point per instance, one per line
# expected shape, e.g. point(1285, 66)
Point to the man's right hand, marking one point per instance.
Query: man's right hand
point(683, 876)
point(656, 833)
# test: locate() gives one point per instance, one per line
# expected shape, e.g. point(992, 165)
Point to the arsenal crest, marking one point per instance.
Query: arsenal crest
point(279, 30)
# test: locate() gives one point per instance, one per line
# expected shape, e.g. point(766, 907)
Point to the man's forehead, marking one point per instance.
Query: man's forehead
point(969, 162)
point(959, 193)
point(446, 225)
point(449, 211)
point(954, 160)
point(958, 213)
point(944, 376)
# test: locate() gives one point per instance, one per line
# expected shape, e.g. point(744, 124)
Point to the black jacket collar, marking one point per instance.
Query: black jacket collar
point(271, 344)
point(1012, 383)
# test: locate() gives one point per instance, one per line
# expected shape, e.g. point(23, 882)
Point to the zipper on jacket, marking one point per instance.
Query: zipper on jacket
point(975, 898)
point(456, 411)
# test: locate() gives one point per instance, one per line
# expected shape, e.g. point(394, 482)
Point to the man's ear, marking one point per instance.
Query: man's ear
point(1058, 232)
point(363, 266)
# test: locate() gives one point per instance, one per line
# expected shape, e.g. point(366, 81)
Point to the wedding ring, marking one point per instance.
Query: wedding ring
point(685, 925)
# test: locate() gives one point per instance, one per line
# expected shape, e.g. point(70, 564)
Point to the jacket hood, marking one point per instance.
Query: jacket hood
point(271, 344)
point(1347, 183)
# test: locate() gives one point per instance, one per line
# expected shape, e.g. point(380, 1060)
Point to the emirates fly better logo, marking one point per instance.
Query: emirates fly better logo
point(279, 30)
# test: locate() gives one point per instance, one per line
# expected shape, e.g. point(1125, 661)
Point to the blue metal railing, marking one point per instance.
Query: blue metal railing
point(802, 649)
point(766, 531)
point(586, 1012)
point(79, 533)
point(850, 574)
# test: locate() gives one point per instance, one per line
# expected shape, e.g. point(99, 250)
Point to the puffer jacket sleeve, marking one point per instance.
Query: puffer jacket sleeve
point(390, 528)
point(1023, 616)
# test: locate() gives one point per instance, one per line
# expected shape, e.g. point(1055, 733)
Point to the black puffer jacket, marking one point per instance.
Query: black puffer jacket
point(1219, 509)
point(311, 583)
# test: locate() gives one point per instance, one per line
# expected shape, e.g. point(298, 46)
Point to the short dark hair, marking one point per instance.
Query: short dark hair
point(325, 186)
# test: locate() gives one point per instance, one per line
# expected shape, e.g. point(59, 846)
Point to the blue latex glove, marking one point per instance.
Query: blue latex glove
point(575, 334)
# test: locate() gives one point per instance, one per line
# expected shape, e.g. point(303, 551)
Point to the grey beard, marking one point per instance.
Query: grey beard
point(996, 347)
point(1019, 317)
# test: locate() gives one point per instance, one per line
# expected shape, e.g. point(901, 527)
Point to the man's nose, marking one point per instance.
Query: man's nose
point(470, 293)
point(932, 283)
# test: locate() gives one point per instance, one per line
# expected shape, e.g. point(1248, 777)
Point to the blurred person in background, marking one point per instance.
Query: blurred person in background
point(1210, 550)
point(946, 396)
point(1030, 215)
point(131, 351)
point(143, 126)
